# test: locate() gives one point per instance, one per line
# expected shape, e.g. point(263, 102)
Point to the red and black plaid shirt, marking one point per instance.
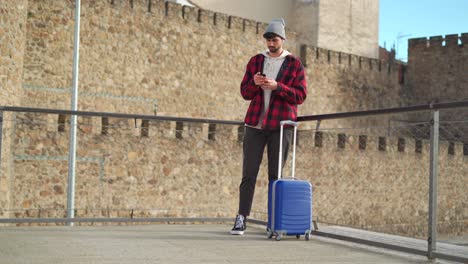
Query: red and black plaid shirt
point(292, 91)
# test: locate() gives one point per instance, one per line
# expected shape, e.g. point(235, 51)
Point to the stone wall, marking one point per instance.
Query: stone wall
point(197, 174)
point(144, 59)
point(436, 72)
point(12, 45)
point(119, 169)
point(437, 68)
point(13, 32)
point(155, 57)
point(385, 189)
point(341, 82)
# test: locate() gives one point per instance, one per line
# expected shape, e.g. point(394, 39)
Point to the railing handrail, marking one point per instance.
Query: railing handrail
point(117, 115)
point(395, 110)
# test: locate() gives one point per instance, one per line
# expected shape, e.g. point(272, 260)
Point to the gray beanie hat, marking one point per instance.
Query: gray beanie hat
point(276, 26)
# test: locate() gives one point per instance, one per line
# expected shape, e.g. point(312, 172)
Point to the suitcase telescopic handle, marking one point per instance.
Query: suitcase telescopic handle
point(280, 159)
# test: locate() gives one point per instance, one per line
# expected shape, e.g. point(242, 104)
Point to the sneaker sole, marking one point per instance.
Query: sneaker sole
point(236, 232)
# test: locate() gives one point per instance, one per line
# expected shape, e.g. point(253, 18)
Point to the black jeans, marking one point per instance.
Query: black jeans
point(255, 141)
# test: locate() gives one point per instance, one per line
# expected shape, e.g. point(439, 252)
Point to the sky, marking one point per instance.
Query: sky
point(401, 20)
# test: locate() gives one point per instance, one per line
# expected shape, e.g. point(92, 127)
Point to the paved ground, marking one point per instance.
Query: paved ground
point(166, 243)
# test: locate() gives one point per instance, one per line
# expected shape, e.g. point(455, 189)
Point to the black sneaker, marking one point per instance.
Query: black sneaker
point(239, 226)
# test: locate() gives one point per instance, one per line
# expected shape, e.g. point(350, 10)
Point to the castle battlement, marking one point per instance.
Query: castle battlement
point(310, 54)
point(449, 41)
point(119, 129)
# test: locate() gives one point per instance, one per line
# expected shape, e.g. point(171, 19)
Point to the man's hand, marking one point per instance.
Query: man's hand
point(269, 84)
point(259, 79)
point(264, 82)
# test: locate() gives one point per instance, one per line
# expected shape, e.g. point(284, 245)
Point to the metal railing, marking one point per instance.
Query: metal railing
point(452, 132)
point(427, 129)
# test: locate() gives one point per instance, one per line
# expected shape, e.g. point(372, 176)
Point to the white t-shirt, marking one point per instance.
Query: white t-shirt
point(271, 67)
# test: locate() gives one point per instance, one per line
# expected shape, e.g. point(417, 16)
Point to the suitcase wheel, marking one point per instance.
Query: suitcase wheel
point(307, 236)
point(298, 236)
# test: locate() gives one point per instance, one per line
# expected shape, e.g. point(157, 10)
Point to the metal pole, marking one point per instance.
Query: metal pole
point(434, 155)
point(74, 107)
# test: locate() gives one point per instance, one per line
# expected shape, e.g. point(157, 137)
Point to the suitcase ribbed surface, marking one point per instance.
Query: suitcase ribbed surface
point(293, 206)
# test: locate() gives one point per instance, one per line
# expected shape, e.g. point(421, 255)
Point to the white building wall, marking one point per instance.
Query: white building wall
point(350, 26)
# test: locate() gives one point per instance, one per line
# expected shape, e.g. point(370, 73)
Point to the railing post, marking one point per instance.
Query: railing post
point(434, 156)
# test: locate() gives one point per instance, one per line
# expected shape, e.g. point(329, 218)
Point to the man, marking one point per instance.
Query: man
point(275, 84)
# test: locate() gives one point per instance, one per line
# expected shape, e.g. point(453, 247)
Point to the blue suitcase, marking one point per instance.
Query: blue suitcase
point(289, 201)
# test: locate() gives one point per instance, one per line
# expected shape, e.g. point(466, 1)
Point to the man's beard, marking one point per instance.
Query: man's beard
point(273, 49)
